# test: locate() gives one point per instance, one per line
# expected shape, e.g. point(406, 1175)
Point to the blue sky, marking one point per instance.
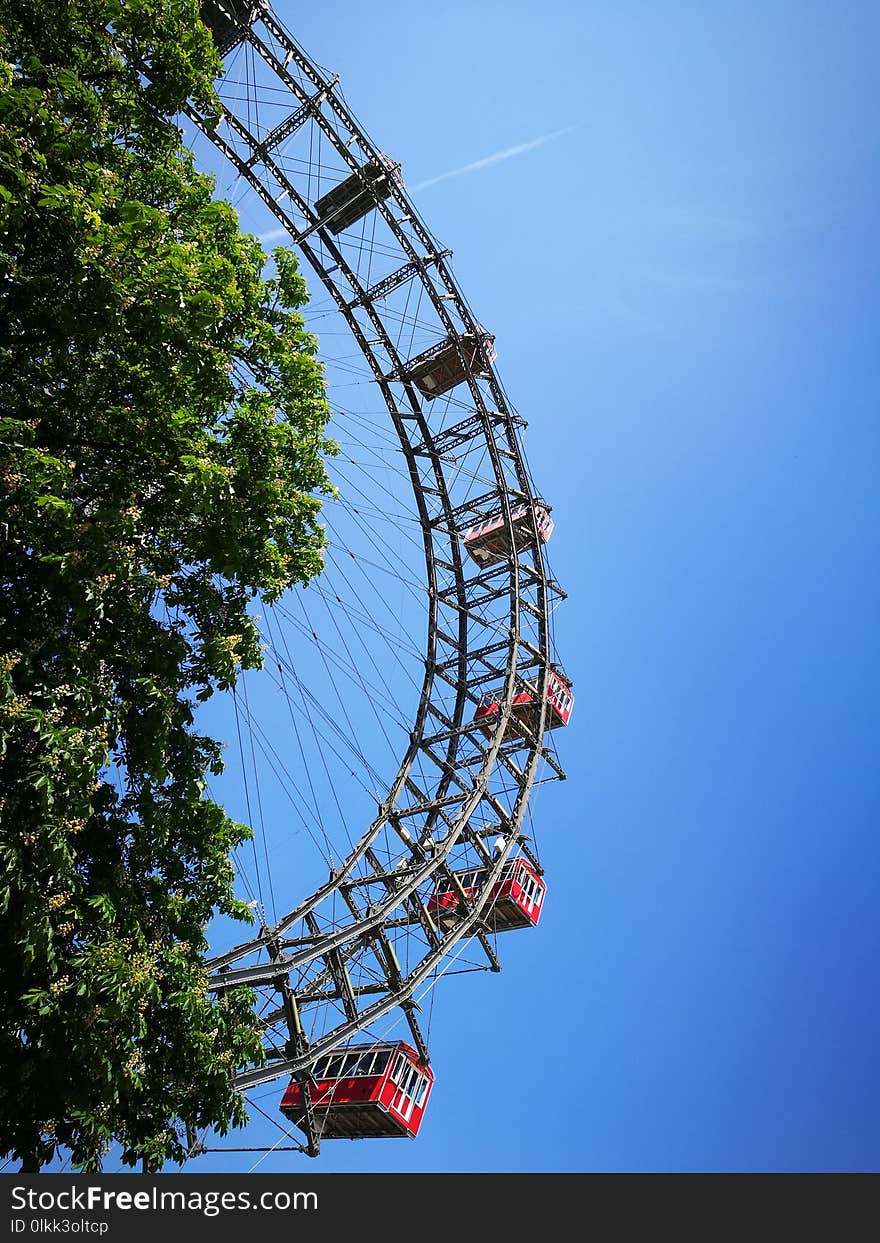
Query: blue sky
point(677, 255)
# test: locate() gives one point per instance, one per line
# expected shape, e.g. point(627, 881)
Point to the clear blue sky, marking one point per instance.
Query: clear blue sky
point(684, 292)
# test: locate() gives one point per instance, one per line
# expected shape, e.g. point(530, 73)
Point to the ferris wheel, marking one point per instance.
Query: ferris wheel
point(426, 641)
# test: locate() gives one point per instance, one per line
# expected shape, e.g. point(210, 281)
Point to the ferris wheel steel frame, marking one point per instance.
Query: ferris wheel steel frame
point(428, 818)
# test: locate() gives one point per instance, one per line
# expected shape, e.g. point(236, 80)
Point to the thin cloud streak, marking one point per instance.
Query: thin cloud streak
point(506, 154)
point(273, 235)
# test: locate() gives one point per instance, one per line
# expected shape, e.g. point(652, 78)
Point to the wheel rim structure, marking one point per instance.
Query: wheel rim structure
point(486, 627)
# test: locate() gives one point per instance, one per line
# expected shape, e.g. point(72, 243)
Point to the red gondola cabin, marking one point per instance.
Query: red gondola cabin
point(447, 364)
point(357, 195)
point(515, 900)
point(364, 1091)
point(525, 707)
point(490, 541)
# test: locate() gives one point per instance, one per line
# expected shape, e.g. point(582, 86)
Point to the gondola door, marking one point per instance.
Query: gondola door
point(531, 893)
point(406, 1078)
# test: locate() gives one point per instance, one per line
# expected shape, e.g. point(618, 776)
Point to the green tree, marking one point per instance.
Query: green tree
point(162, 417)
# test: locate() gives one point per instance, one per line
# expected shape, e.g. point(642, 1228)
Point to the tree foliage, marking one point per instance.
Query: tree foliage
point(162, 445)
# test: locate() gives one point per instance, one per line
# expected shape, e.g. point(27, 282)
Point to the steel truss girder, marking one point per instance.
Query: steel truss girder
point(489, 502)
point(467, 432)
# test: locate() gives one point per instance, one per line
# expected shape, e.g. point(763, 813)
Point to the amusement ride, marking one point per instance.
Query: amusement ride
point(429, 860)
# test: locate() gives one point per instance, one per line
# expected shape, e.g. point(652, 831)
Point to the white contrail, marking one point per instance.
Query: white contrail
point(507, 154)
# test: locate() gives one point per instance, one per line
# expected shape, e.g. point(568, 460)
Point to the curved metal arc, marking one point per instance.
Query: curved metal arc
point(525, 776)
point(451, 290)
point(245, 168)
point(426, 443)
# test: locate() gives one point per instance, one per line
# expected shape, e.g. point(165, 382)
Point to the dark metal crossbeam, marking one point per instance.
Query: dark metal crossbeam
point(290, 124)
point(382, 288)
